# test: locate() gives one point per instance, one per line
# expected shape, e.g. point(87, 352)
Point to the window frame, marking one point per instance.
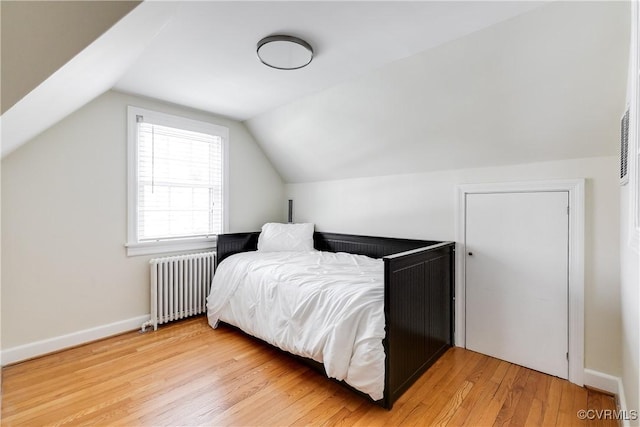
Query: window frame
point(133, 245)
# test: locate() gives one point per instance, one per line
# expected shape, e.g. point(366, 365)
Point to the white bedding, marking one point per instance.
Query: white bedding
point(320, 305)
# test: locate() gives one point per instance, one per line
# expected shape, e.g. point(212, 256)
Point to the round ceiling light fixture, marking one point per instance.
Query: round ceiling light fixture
point(284, 52)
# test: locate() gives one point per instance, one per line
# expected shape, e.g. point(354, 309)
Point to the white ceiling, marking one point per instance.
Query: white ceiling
point(205, 58)
point(546, 85)
point(395, 87)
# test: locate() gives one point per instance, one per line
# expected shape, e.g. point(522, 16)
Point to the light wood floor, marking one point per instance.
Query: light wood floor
point(189, 374)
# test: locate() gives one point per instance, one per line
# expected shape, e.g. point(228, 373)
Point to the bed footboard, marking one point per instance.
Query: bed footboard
point(418, 311)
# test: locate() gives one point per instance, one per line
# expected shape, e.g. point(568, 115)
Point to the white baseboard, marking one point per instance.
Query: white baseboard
point(39, 348)
point(611, 384)
point(601, 381)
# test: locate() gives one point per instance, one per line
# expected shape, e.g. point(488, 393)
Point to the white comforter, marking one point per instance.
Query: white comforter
point(321, 305)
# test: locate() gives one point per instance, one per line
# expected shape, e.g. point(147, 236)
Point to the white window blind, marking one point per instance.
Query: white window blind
point(179, 183)
point(176, 184)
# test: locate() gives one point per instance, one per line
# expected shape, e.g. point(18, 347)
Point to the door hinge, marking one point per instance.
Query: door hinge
point(567, 355)
point(567, 210)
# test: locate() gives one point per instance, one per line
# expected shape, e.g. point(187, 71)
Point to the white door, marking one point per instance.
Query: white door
point(516, 274)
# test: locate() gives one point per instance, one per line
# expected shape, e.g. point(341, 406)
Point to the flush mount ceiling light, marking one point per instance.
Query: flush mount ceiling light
point(284, 52)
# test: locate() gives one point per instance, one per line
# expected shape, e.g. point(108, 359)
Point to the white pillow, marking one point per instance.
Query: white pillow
point(277, 237)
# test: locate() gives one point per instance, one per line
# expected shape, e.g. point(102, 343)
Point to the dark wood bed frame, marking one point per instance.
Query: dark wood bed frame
point(418, 298)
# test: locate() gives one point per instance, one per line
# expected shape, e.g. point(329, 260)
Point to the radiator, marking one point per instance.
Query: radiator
point(179, 286)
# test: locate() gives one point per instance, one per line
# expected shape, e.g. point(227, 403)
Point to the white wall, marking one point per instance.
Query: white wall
point(64, 220)
point(0, 277)
point(630, 307)
point(629, 252)
point(422, 206)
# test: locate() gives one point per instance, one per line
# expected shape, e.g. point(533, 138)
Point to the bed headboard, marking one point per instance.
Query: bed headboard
point(234, 243)
point(374, 247)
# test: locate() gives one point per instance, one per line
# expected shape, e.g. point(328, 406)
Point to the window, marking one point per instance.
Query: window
point(177, 184)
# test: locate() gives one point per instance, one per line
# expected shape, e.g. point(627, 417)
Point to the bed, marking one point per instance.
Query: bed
point(416, 293)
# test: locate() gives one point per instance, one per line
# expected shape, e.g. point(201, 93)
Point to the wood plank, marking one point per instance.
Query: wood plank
point(189, 374)
point(430, 409)
point(479, 405)
point(483, 389)
point(444, 417)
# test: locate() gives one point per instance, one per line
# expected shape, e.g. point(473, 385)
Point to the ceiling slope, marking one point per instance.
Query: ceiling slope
point(201, 54)
point(38, 37)
point(90, 73)
point(549, 84)
point(206, 58)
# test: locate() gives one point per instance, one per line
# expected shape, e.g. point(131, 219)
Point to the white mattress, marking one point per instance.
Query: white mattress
point(325, 306)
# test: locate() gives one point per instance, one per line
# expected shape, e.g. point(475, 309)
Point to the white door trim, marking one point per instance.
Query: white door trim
point(575, 188)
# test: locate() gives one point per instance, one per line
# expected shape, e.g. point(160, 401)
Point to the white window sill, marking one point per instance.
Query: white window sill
point(166, 246)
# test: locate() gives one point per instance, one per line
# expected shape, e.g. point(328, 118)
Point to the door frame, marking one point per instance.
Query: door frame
point(575, 189)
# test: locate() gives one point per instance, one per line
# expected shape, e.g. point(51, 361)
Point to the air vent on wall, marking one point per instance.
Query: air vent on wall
point(624, 148)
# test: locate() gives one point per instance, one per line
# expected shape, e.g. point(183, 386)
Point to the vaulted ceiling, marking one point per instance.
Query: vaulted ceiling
point(546, 85)
point(205, 57)
point(395, 87)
